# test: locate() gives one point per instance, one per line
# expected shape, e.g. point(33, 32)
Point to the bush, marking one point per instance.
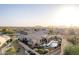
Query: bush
point(41, 51)
point(7, 31)
point(11, 50)
point(71, 50)
point(73, 40)
point(50, 31)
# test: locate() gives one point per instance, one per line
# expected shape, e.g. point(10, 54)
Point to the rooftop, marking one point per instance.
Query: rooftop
point(3, 39)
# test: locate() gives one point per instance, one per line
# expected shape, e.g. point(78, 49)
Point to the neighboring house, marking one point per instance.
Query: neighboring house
point(39, 38)
point(25, 39)
point(33, 37)
point(52, 41)
point(3, 39)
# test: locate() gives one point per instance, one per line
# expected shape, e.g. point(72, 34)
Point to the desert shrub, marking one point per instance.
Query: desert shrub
point(8, 31)
point(50, 31)
point(11, 50)
point(41, 51)
point(73, 40)
point(71, 50)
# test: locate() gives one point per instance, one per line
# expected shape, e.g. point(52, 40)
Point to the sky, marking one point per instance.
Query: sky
point(39, 14)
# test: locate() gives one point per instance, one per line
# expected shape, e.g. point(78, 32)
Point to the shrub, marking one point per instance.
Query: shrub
point(74, 40)
point(11, 50)
point(7, 31)
point(41, 51)
point(71, 50)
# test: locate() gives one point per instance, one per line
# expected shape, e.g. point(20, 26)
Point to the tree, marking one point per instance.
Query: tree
point(50, 31)
point(10, 40)
point(43, 40)
point(7, 31)
point(36, 45)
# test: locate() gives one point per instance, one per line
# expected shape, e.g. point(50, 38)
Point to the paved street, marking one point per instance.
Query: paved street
point(27, 48)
